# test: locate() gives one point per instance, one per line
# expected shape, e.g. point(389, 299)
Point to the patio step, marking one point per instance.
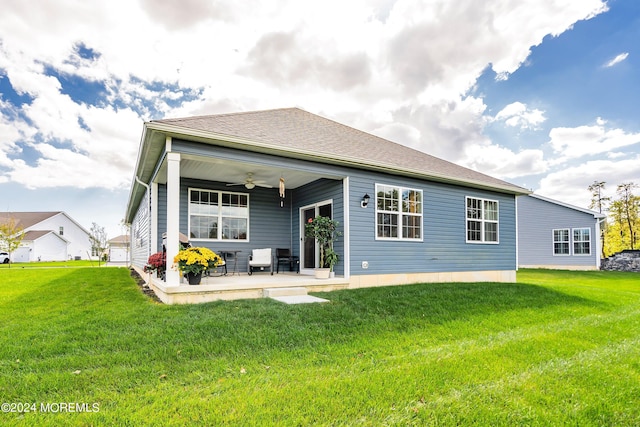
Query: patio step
point(284, 292)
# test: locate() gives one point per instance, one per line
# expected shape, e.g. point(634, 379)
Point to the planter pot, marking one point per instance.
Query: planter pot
point(332, 275)
point(194, 278)
point(322, 273)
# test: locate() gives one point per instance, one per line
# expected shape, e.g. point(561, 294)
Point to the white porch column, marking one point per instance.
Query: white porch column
point(173, 216)
point(347, 228)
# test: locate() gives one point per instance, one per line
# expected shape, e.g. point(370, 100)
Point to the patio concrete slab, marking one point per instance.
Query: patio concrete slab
point(299, 299)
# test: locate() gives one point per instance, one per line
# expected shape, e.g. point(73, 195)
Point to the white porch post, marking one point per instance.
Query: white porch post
point(347, 228)
point(173, 216)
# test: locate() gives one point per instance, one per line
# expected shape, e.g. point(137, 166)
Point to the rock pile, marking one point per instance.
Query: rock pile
point(626, 260)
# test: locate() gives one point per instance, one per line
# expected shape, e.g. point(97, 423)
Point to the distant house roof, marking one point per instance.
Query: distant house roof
point(295, 133)
point(36, 234)
point(119, 240)
point(27, 219)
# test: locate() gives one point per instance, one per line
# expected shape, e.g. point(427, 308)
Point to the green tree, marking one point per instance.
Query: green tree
point(98, 238)
point(598, 201)
point(628, 210)
point(11, 235)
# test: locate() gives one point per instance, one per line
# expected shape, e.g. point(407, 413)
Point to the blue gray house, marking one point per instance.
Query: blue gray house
point(405, 216)
point(552, 234)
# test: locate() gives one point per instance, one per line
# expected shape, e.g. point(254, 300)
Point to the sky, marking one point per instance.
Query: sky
point(541, 93)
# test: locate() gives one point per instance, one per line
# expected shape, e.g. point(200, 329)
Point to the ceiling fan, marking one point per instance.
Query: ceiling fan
point(249, 183)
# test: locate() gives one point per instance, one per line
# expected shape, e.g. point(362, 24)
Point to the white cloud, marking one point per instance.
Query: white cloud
point(570, 184)
point(504, 163)
point(618, 59)
point(581, 141)
point(397, 68)
point(519, 115)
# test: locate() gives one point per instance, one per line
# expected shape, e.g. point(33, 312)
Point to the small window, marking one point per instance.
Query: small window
point(582, 241)
point(61, 231)
point(561, 241)
point(482, 221)
point(398, 213)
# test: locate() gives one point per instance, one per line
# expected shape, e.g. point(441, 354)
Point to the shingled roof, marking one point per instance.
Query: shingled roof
point(299, 132)
point(27, 219)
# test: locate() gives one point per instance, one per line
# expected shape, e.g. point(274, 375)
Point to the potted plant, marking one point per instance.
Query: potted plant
point(331, 258)
point(158, 263)
point(194, 261)
point(325, 231)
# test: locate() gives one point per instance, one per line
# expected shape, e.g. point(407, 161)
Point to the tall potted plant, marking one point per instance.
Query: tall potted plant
point(325, 231)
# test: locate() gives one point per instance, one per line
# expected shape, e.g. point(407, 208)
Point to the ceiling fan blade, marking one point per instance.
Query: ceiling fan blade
point(263, 185)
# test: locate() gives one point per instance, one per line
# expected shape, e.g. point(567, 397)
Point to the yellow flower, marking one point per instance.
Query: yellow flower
point(196, 260)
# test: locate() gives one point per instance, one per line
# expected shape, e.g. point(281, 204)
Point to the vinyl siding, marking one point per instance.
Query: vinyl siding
point(140, 237)
point(536, 221)
point(444, 247)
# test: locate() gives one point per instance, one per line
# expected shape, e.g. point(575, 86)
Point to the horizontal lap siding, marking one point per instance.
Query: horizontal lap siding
point(536, 221)
point(444, 247)
point(140, 237)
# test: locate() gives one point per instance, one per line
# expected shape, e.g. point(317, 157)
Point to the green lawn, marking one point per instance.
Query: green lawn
point(557, 348)
point(72, 263)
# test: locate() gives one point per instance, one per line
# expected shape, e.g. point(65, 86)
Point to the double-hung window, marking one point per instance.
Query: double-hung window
point(398, 213)
point(561, 241)
point(582, 241)
point(482, 220)
point(577, 238)
point(218, 215)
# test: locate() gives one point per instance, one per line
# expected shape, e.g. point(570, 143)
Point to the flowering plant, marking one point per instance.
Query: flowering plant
point(196, 260)
point(157, 261)
point(325, 231)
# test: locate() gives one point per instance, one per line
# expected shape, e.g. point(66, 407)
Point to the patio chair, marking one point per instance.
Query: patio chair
point(260, 259)
point(283, 255)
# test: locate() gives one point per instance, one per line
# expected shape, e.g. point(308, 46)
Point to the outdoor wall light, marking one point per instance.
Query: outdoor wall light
point(365, 201)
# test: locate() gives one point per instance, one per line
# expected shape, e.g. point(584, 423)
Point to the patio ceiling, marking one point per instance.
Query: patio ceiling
point(212, 169)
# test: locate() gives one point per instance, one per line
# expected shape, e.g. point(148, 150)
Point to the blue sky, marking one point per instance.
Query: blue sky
point(541, 93)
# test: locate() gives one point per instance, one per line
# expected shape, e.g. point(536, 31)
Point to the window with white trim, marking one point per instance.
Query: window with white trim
point(482, 220)
point(561, 241)
point(582, 241)
point(398, 213)
point(218, 215)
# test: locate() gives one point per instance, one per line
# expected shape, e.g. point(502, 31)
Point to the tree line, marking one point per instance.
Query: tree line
point(621, 228)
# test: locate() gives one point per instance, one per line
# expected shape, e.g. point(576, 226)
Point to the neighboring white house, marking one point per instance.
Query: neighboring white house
point(49, 236)
point(119, 249)
point(553, 234)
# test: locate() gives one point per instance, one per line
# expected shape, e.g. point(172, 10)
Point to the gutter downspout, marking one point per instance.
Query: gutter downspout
point(149, 207)
point(600, 246)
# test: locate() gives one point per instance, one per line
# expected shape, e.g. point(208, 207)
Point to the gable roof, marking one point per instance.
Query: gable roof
point(123, 239)
point(36, 234)
point(295, 133)
point(566, 205)
point(27, 219)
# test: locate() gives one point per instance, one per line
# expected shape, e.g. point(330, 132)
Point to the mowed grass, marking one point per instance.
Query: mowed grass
point(556, 348)
point(42, 264)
